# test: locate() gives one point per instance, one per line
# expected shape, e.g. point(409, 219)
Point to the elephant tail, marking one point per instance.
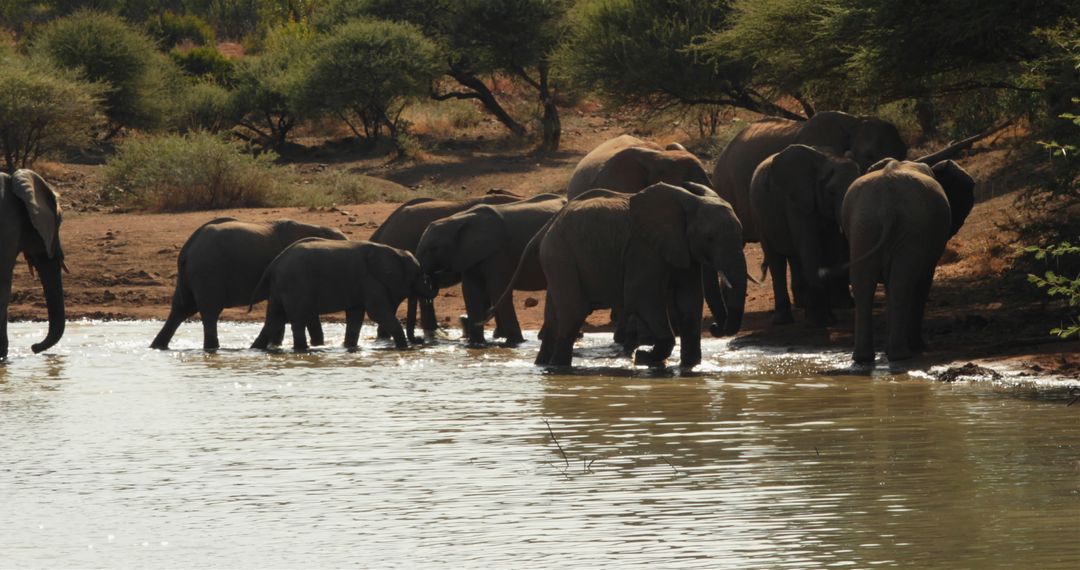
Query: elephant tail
point(886, 234)
point(262, 290)
point(532, 247)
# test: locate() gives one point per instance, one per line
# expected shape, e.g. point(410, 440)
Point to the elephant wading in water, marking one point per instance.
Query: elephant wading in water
point(484, 245)
point(30, 224)
point(220, 265)
point(639, 253)
point(629, 164)
point(898, 218)
point(317, 276)
point(403, 228)
point(795, 197)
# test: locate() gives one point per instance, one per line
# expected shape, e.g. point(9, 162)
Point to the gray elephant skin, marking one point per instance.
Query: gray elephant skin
point(220, 265)
point(318, 276)
point(629, 164)
point(795, 199)
point(639, 254)
point(484, 245)
point(402, 229)
point(897, 218)
point(867, 139)
point(30, 224)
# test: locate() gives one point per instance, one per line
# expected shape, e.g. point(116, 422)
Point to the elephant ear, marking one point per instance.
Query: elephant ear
point(42, 206)
point(959, 188)
point(658, 215)
point(629, 170)
point(479, 234)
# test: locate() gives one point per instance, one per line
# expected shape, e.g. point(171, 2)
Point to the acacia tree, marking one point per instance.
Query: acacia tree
point(268, 97)
point(42, 109)
point(480, 37)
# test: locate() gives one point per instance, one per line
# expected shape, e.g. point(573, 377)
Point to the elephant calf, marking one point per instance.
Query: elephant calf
point(316, 276)
point(629, 164)
point(220, 265)
point(484, 244)
point(897, 218)
point(403, 228)
point(795, 199)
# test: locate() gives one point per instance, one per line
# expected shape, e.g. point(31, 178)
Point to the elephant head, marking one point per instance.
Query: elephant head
point(685, 228)
point(865, 140)
point(455, 243)
point(959, 188)
point(813, 181)
point(30, 223)
point(634, 168)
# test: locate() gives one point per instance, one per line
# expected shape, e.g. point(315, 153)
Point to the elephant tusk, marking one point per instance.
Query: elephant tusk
point(63, 265)
point(29, 265)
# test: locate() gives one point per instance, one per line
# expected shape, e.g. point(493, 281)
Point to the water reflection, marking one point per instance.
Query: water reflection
point(115, 455)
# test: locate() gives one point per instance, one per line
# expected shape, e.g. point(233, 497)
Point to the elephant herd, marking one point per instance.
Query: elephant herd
point(643, 230)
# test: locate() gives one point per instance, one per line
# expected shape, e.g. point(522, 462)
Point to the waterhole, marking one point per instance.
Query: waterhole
point(115, 455)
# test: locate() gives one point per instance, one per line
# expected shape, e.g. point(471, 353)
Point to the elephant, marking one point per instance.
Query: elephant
point(402, 229)
point(220, 265)
point(867, 139)
point(629, 164)
point(315, 276)
point(484, 245)
point(30, 219)
point(795, 199)
point(897, 218)
point(639, 254)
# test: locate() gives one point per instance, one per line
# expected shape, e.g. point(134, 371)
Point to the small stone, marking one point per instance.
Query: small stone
point(531, 302)
point(108, 296)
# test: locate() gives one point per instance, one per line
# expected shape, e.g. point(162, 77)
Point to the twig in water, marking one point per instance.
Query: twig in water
point(669, 464)
point(1076, 396)
point(556, 440)
point(816, 451)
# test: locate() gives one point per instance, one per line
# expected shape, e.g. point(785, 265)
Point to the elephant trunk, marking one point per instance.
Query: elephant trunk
point(733, 268)
point(52, 283)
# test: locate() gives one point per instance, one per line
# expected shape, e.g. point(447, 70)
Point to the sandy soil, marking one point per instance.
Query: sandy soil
point(123, 266)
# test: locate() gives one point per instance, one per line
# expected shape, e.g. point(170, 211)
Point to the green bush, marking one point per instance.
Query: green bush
point(268, 90)
point(1058, 283)
point(172, 29)
point(205, 61)
point(204, 106)
point(107, 50)
point(43, 109)
point(198, 171)
point(365, 71)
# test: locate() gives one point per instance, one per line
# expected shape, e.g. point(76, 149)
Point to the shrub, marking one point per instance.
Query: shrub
point(205, 61)
point(267, 94)
point(366, 70)
point(204, 106)
point(198, 171)
point(107, 50)
point(173, 29)
point(1058, 283)
point(42, 109)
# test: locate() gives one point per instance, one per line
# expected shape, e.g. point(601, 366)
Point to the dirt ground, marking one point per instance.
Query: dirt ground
point(123, 265)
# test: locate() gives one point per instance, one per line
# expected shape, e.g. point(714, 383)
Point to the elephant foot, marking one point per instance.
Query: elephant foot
point(515, 341)
point(716, 330)
point(648, 358)
point(822, 321)
point(863, 357)
point(159, 346)
point(782, 318)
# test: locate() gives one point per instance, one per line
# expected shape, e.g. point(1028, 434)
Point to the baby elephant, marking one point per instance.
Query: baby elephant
point(316, 276)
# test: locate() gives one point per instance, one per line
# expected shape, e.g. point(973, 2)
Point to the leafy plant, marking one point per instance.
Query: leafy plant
point(1058, 285)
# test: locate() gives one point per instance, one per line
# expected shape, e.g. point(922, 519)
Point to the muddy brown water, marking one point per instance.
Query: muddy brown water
point(114, 455)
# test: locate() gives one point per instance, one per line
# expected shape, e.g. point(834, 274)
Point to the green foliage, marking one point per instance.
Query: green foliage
point(268, 89)
point(107, 50)
point(198, 171)
point(42, 110)
point(173, 29)
point(204, 106)
point(204, 61)
point(1059, 285)
point(365, 71)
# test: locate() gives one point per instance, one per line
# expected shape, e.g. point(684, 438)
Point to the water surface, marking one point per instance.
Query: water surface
point(114, 455)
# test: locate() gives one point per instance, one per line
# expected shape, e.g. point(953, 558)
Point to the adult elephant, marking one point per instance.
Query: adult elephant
point(867, 139)
point(629, 164)
point(795, 198)
point(640, 254)
point(30, 224)
point(317, 276)
point(898, 218)
point(402, 229)
point(220, 265)
point(484, 245)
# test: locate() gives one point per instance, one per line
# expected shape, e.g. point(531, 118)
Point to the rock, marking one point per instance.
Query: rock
point(969, 370)
point(108, 296)
point(531, 302)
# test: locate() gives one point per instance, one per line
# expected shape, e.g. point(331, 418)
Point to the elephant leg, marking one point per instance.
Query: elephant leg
point(817, 299)
point(428, 319)
point(6, 270)
point(354, 321)
point(477, 302)
point(547, 336)
point(299, 333)
point(653, 317)
point(864, 284)
point(273, 327)
point(569, 323)
point(714, 296)
point(781, 304)
point(381, 311)
point(915, 330)
point(410, 319)
point(209, 323)
point(315, 332)
point(798, 287)
point(505, 315)
point(622, 328)
point(687, 308)
point(183, 307)
point(899, 305)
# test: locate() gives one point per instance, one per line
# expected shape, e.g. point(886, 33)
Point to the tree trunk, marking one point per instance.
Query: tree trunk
point(487, 98)
point(551, 124)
